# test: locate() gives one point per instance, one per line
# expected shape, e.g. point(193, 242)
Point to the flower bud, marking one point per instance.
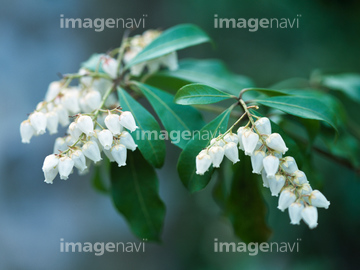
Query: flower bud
point(112, 122)
point(310, 215)
point(79, 160)
point(52, 120)
point(295, 210)
point(263, 126)
point(300, 178)
point(70, 101)
point(127, 140)
point(265, 179)
point(26, 131)
point(286, 198)
point(119, 153)
point(317, 199)
point(127, 120)
point(249, 142)
point(217, 154)
point(276, 184)
point(66, 165)
point(38, 122)
point(231, 137)
point(93, 100)
point(288, 165)
point(85, 124)
point(203, 162)
point(62, 114)
point(50, 168)
point(91, 150)
point(231, 152)
point(240, 133)
point(110, 66)
point(53, 91)
point(276, 142)
point(257, 161)
point(271, 165)
point(105, 137)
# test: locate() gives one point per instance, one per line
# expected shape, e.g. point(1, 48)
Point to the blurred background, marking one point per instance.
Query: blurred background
point(34, 216)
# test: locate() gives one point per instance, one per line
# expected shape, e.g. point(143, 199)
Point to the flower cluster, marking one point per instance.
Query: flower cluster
point(280, 174)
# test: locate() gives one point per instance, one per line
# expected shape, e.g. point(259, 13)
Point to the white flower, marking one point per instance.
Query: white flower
point(299, 178)
point(271, 165)
point(112, 122)
point(286, 198)
point(79, 160)
point(109, 155)
point(203, 162)
point(137, 69)
point(66, 165)
point(170, 61)
point(26, 131)
point(105, 137)
point(110, 66)
point(249, 141)
point(240, 133)
point(232, 152)
point(217, 142)
point(91, 150)
point(257, 161)
point(263, 126)
point(217, 154)
point(93, 100)
point(53, 91)
point(62, 114)
point(127, 120)
point(50, 168)
point(276, 142)
point(85, 124)
point(265, 179)
point(288, 165)
point(70, 100)
point(153, 65)
point(127, 140)
point(74, 131)
point(305, 189)
point(310, 216)
point(84, 106)
point(38, 122)
point(318, 199)
point(231, 137)
point(52, 120)
point(59, 145)
point(276, 184)
point(95, 139)
point(295, 210)
point(119, 154)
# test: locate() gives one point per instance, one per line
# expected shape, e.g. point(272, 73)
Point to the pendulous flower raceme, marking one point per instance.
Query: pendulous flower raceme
point(279, 173)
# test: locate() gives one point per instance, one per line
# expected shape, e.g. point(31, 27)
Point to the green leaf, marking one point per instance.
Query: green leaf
point(176, 118)
point(93, 63)
point(186, 165)
point(349, 84)
point(135, 193)
point(197, 93)
point(269, 92)
point(147, 135)
point(173, 39)
point(245, 207)
point(304, 107)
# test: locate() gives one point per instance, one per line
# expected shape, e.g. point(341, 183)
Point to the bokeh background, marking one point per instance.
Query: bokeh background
point(34, 216)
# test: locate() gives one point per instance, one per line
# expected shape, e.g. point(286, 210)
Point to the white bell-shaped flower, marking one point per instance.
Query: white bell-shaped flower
point(203, 162)
point(170, 61)
point(217, 142)
point(231, 152)
point(62, 114)
point(271, 165)
point(153, 65)
point(127, 120)
point(93, 100)
point(137, 69)
point(105, 137)
point(38, 122)
point(249, 141)
point(66, 164)
point(263, 126)
point(52, 121)
point(110, 66)
point(112, 122)
point(79, 160)
point(257, 161)
point(295, 210)
point(53, 91)
point(70, 101)
point(119, 153)
point(300, 178)
point(95, 139)
point(50, 168)
point(276, 142)
point(318, 199)
point(276, 184)
point(288, 165)
point(231, 137)
point(74, 131)
point(26, 131)
point(127, 140)
point(217, 155)
point(60, 145)
point(109, 155)
point(310, 215)
point(85, 124)
point(240, 133)
point(265, 179)
point(305, 189)
point(286, 198)
point(91, 150)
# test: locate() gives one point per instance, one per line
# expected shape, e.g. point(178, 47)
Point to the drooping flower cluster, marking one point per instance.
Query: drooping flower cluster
point(280, 174)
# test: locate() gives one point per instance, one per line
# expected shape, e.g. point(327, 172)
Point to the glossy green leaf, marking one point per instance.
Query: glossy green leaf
point(135, 193)
point(349, 84)
point(93, 63)
point(186, 165)
point(197, 93)
point(179, 121)
point(147, 136)
point(173, 39)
